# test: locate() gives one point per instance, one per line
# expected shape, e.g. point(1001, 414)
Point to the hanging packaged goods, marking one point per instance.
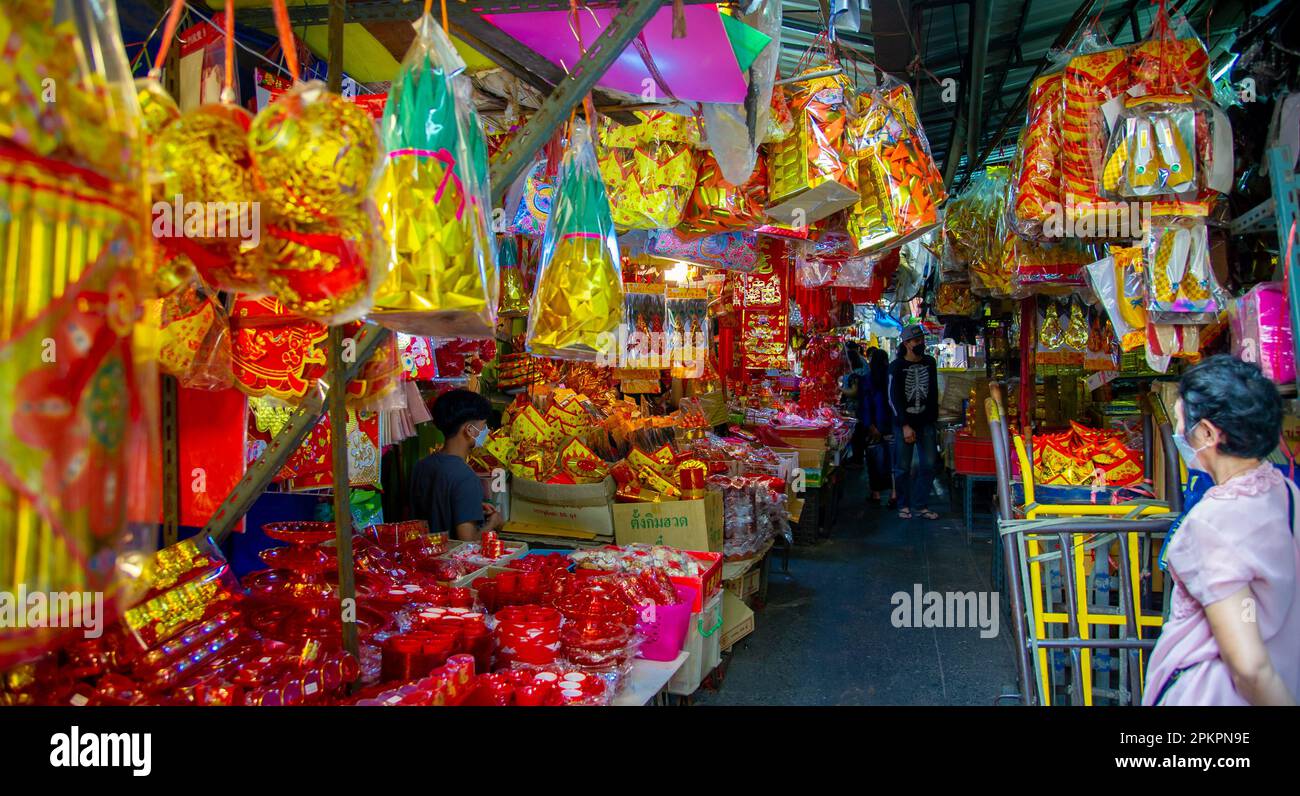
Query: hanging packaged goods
point(900, 187)
point(442, 275)
point(811, 174)
point(577, 302)
point(717, 206)
point(649, 169)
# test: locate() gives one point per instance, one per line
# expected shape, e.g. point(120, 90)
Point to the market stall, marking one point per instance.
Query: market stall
point(232, 304)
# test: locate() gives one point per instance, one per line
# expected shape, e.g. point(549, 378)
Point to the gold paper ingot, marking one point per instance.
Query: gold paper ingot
point(649, 170)
point(579, 301)
point(436, 279)
point(314, 154)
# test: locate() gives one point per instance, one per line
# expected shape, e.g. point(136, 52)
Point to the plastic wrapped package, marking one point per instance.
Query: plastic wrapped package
point(577, 302)
point(811, 270)
point(1118, 280)
point(1032, 264)
point(1153, 148)
point(716, 205)
point(1181, 287)
point(974, 233)
point(955, 298)
point(79, 490)
point(314, 155)
point(731, 251)
point(326, 272)
point(194, 339)
point(856, 272)
point(533, 203)
point(649, 168)
point(812, 174)
point(1261, 331)
point(1171, 59)
point(900, 188)
point(1037, 179)
point(1094, 76)
point(513, 302)
point(432, 195)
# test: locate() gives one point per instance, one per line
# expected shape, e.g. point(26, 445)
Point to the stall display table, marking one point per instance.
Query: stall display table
point(645, 684)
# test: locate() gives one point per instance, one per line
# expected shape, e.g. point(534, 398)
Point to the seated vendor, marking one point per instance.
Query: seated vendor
point(444, 490)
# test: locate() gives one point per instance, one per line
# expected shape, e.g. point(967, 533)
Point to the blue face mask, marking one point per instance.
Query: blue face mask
point(1187, 452)
point(481, 438)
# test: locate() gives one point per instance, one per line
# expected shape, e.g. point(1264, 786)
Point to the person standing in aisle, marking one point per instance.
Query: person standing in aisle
point(445, 491)
point(1233, 633)
point(879, 422)
point(851, 393)
point(914, 400)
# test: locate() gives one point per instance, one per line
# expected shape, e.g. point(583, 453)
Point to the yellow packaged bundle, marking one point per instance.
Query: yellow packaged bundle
point(529, 426)
point(659, 483)
point(899, 185)
point(649, 169)
point(501, 446)
point(640, 461)
point(813, 173)
point(577, 304)
point(433, 194)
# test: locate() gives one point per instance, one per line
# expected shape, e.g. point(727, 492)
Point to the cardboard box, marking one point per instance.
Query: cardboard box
point(575, 507)
point(683, 524)
point(737, 620)
point(809, 458)
point(745, 585)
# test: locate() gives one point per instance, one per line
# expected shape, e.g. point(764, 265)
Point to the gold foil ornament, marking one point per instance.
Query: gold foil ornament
point(577, 304)
point(157, 108)
point(324, 272)
point(314, 155)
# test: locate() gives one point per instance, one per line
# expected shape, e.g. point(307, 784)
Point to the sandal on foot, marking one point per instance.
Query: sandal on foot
point(905, 514)
point(928, 515)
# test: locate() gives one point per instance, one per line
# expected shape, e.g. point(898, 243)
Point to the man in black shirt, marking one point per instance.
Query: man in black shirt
point(914, 398)
point(444, 490)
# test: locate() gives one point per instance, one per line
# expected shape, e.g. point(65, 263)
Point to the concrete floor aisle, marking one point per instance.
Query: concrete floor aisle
point(826, 635)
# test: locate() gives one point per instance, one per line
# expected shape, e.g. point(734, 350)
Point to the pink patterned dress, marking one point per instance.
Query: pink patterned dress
point(1239, 534)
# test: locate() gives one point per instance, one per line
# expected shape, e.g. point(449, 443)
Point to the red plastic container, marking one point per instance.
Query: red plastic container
point(974, 455)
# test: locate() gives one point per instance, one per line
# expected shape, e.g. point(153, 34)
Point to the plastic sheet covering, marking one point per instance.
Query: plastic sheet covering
point(1261, 331)
point(432, 196)
point(734, 145)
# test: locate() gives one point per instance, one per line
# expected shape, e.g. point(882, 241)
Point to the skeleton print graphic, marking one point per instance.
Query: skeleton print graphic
point(916, 388)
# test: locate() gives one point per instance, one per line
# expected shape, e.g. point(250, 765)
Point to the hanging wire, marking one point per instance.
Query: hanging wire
point(169, 32)
point(278, 67)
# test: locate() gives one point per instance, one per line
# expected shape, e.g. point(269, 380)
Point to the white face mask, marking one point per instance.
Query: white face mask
point(1187, 452)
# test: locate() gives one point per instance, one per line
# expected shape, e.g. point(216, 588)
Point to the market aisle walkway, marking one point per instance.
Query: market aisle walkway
point(825, 637)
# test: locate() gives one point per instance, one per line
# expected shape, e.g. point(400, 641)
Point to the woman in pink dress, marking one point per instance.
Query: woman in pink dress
point(1233, 633)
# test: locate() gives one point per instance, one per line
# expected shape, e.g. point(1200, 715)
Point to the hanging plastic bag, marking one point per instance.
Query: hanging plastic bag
point(1037, 177)
point(649, 168)
point(900, 186)
point(194, 339)
point(577, 303)
point(1096, 74)
point(717, 205)
point(514, 297)
point(811, 174)
point(1261, 331)
point(441, 278)
point(856, 272)
point(1181, 287)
